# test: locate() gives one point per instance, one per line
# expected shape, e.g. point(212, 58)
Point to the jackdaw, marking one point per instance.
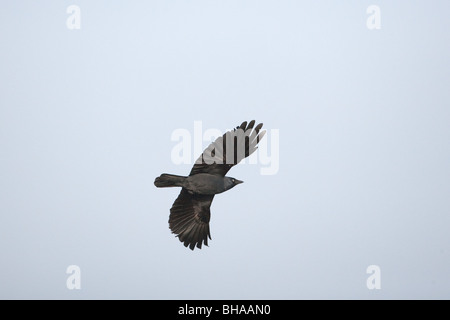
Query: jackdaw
point(190, 213)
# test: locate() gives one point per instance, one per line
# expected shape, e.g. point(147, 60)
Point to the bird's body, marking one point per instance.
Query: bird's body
point(205, 183)
point(202, 183)
point(190, 213)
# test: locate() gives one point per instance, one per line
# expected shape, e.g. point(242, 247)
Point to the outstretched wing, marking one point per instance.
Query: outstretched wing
point(189, 218)
point(229, 149)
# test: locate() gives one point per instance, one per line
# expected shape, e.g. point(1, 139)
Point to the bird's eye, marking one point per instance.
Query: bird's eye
point(233, 180)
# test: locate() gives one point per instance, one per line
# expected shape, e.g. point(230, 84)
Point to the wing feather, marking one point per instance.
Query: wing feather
point(228, 150)
point(189, 219)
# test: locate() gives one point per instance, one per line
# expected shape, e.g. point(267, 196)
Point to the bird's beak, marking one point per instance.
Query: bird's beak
point(236, 181)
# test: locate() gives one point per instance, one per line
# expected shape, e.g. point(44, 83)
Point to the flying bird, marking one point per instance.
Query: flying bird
point(190, 213)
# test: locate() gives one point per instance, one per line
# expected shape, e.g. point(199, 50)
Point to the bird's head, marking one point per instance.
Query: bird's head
point(231, 182)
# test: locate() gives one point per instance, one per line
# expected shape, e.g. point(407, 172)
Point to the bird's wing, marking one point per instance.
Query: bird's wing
point(229, 149)
point(189, 218)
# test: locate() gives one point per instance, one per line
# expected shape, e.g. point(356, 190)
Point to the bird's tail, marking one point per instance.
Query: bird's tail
point(169, 180)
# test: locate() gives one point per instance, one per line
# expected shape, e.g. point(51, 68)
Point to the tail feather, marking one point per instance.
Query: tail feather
point(169, 180)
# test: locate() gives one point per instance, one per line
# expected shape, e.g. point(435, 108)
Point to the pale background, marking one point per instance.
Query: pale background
point(86, 118)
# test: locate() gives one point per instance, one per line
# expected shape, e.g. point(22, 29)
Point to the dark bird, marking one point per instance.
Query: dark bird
point(190, 213)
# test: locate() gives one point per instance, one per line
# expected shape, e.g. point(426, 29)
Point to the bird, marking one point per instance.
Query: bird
point(190, 213)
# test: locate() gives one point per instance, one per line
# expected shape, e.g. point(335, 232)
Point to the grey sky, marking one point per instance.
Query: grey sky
point(86, 118)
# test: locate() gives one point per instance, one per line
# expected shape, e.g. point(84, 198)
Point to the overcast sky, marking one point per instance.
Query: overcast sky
point(87, 118)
